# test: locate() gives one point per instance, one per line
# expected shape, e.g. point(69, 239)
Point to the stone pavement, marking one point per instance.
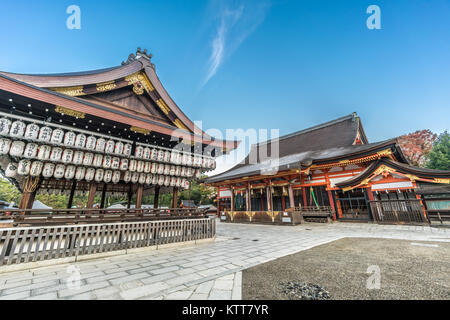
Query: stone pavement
point(204, 271)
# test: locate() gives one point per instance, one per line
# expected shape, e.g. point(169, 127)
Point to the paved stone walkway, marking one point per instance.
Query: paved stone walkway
point(205, 271)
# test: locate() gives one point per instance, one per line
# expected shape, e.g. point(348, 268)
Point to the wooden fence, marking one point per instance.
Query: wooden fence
point(398, 211)
point(44, 217)
point(31, 244)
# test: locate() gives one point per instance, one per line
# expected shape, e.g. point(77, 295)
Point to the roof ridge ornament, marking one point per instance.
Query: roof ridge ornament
point(139, 54)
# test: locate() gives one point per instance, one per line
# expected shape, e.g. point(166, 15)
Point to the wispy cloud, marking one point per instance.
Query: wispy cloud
point(236, 20)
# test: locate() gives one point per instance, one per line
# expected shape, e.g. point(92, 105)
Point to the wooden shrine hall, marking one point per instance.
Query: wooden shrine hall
point(110, 131)
point(331, 171)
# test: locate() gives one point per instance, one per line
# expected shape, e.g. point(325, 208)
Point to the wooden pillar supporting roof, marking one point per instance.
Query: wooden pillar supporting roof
point(156, 199)
point(139, 193)
point(175, 197)
point(91, 196)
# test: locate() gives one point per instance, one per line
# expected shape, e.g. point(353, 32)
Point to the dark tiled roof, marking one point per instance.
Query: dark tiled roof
point(328, 138)
point(294, 161)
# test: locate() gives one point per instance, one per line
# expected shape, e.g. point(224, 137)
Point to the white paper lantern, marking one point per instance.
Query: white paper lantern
point(154, 168)
point(57, 136)
point(197, 173)
point(154, 179)
point(124, 164)
point(90, 173)
point(36, 168)
point(60, 169)
point(115, 163)
point(127, 149)
point(78, 157)
point(109, 147)
point(188, 160)
point(17, 148)
point(179, 158)
point(44, 152)
point(91, 142)
point(69, 138)
point(177, 170)
point(48, 170)
point(17, 129)
point(45, 134)
point(88, 159)
point(160, 168)
point(127, 176)
point(154, 154)
point(118, 149)
point(147, 153)
point(98, 160)
point(24, 167)
point(178, 182)
point(134, 177)
point(142, 177)
point(5, 126)
point(172, 170)
point(5, 144)
point(80, 173)
point(101, 144)
point(11, 170)
point(204, 163)
point(80, 140)
point(140, 166)
point(197, 161)
point(160, 155)
point(56, 154)
point(185, 158)
point(185, 184)
point(147, 167)
point(167, 169)
point(99, 173)
point(108, 176)
point(133, 165)
point(160, 180)
point(32, 131)
point(67, 156)
point(174, 157)
point(70, 172)
point(30, 150)
point(148, 178)
point(183, 171)
point(139, 153)
point(107, 161)
point(116, 177)
point(173, 181)
point(166, 156)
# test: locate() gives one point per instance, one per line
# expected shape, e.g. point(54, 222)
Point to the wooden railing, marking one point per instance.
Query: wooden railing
point(75, 216)
point(398, 211)
point(31, 244)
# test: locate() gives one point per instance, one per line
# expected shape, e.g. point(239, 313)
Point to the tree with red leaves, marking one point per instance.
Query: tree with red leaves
point(416, 146)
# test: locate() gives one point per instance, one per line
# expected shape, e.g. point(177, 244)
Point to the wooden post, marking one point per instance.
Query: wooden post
point(291, 196)
point(305, 202)
point(29, 189)
point(130, 195)
point(232, 199)
point(269, 198)
point(72, 193)
point(156, 199)
point(91, 196)
point(248, 203)
point(102, 202)
point(175, 197)
point(139, 193)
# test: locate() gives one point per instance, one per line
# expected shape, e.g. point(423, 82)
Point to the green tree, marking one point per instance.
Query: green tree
point(9, 192)
point(439, 157)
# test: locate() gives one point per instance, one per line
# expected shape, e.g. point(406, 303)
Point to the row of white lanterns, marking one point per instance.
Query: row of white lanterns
point(61, 171)
point(18, 129)
point(56, 154)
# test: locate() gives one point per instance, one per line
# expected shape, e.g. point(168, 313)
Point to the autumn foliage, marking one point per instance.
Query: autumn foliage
point(417, 145)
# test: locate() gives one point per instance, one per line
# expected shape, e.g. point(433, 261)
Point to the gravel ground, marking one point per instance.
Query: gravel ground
point(407, 271)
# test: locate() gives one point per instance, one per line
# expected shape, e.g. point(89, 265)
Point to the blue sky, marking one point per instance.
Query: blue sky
point(286, 64)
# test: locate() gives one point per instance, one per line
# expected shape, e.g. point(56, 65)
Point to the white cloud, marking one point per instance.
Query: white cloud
point(236, 21)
